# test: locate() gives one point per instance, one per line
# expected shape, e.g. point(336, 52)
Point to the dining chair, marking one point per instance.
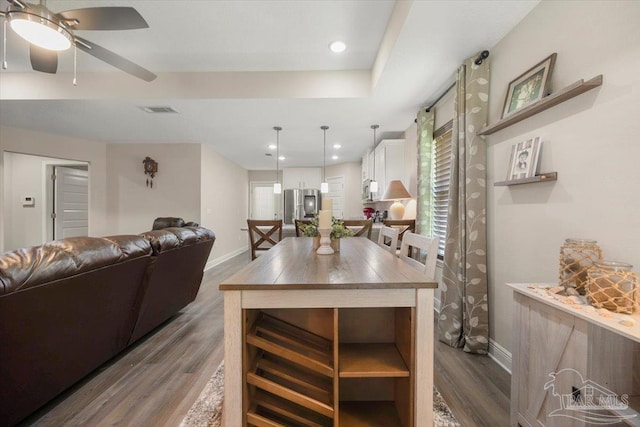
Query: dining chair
point(422, 244)
point(403, 225)
point(359, 226)
point(262, 234)
point(299, 224)
point(388, 234)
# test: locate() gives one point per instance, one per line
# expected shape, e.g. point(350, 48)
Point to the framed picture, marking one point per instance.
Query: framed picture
point(529, 87)
point(524, 159)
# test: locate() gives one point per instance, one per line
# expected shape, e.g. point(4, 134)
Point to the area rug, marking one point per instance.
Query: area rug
point(207, 411)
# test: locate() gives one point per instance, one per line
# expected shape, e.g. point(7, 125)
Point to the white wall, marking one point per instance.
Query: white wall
point(63, 147)
point(225, 204)
point(352, 173)
point(591, 141)
point(132, 206)
point(26, 175)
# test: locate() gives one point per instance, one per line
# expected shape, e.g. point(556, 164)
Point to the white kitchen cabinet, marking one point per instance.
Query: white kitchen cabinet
point(389, 164)
point(309, 178)
point(366, 174)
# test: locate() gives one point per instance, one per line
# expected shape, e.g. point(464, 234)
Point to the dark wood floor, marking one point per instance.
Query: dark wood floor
point(155, 382)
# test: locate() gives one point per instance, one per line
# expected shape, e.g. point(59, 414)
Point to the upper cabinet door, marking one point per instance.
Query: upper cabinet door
point(307, 178)
point(312, 178)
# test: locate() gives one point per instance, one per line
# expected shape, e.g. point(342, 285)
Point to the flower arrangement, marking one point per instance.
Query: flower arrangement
point(338, 230)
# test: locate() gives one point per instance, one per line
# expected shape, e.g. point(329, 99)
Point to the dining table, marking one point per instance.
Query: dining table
point(344, 339)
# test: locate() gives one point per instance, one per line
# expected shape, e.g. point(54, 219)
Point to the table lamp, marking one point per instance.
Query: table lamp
point(396, 191)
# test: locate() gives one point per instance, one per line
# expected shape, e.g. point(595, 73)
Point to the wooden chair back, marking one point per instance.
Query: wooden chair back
point(262, 234)
point(388, 234)
point(360, 227)
point(422, 244)
point(403, 226)
point(299, 223)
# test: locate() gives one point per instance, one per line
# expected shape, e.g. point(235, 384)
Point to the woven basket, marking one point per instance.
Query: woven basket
point(576, 257)
point(612, 285)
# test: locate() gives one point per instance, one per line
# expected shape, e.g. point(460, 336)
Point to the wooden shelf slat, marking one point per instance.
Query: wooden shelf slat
point(368, 414)
point(545, 103)
point(277, 380)
point(292, 343)
point(379, 360)
point(543, 177)
point(313, 385)
point(298, 414)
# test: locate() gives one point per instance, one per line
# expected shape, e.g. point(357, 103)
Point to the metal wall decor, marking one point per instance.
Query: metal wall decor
point(151, 169)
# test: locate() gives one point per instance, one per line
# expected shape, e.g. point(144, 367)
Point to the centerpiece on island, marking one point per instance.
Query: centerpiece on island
point(338, 231)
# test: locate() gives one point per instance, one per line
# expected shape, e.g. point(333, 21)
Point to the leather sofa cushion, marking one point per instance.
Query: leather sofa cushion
point(166, 222)
point(176, 237)
point(28, 267)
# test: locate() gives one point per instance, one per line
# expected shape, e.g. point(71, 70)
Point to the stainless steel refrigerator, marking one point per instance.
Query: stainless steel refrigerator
point(300, 204)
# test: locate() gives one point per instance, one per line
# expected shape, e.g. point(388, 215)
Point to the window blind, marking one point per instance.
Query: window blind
point(441, 171)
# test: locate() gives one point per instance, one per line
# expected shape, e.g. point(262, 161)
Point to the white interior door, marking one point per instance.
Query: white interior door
point(336, 193)
point(264, 203)
point(71, 203)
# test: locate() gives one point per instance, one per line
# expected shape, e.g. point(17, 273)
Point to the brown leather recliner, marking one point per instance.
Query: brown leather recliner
point(169, 221)
point(174, 274)
point(66, 307)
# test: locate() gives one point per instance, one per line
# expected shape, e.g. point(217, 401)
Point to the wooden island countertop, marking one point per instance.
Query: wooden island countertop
point(360, 264)
point(331, 340)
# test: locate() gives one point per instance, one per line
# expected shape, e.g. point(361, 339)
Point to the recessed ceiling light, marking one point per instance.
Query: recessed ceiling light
point(338, 47)
point(282, 158)
point(334, 157)
point(272, 146)
point(337, 146)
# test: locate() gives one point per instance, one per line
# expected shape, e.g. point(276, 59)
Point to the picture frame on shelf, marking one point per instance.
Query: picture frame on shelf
point(523, 162)
point(531, 86)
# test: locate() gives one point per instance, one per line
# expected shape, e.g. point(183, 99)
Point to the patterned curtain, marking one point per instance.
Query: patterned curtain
point(464, 315)
point(425, 152)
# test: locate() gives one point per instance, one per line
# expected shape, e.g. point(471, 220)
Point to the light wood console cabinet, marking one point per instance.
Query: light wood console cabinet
point(565, 355)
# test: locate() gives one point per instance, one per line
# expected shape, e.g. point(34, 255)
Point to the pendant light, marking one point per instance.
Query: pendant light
point(373, 184)
point(324, 186)
point(277, 187)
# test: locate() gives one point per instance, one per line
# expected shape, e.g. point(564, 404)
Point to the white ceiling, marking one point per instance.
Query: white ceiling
point(235, 69)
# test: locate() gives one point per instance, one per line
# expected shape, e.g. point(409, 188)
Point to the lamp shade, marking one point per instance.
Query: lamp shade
point(396, 191)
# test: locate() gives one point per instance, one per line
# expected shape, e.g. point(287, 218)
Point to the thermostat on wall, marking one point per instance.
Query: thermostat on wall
point(28, 201)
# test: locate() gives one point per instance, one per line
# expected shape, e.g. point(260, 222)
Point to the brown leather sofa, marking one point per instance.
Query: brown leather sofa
point(68, 306)
point(174, 274)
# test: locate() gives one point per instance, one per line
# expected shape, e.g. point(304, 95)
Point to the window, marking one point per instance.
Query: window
point(440, 178)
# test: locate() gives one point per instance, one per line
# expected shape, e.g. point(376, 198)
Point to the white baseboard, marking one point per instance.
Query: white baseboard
point(223, 258)
point(500, 355)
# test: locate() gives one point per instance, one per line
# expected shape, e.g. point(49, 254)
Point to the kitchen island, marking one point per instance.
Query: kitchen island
point(343, 339)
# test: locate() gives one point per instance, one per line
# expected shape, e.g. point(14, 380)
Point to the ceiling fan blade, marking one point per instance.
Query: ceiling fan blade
point(105, 18)
point(114, 59)
point(43, 59)
point(17, 4)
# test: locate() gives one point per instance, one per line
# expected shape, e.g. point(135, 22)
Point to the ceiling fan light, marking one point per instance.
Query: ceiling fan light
point(40, 32)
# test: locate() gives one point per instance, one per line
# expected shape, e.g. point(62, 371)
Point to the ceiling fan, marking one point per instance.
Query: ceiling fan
point(49, 32)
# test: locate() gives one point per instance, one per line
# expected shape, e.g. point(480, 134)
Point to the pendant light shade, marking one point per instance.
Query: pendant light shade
point(373, 184)
point(324, 186)
point(277, 187)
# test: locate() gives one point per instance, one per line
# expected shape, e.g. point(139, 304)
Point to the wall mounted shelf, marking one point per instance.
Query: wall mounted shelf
point(549, 176)
point(545, 103)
